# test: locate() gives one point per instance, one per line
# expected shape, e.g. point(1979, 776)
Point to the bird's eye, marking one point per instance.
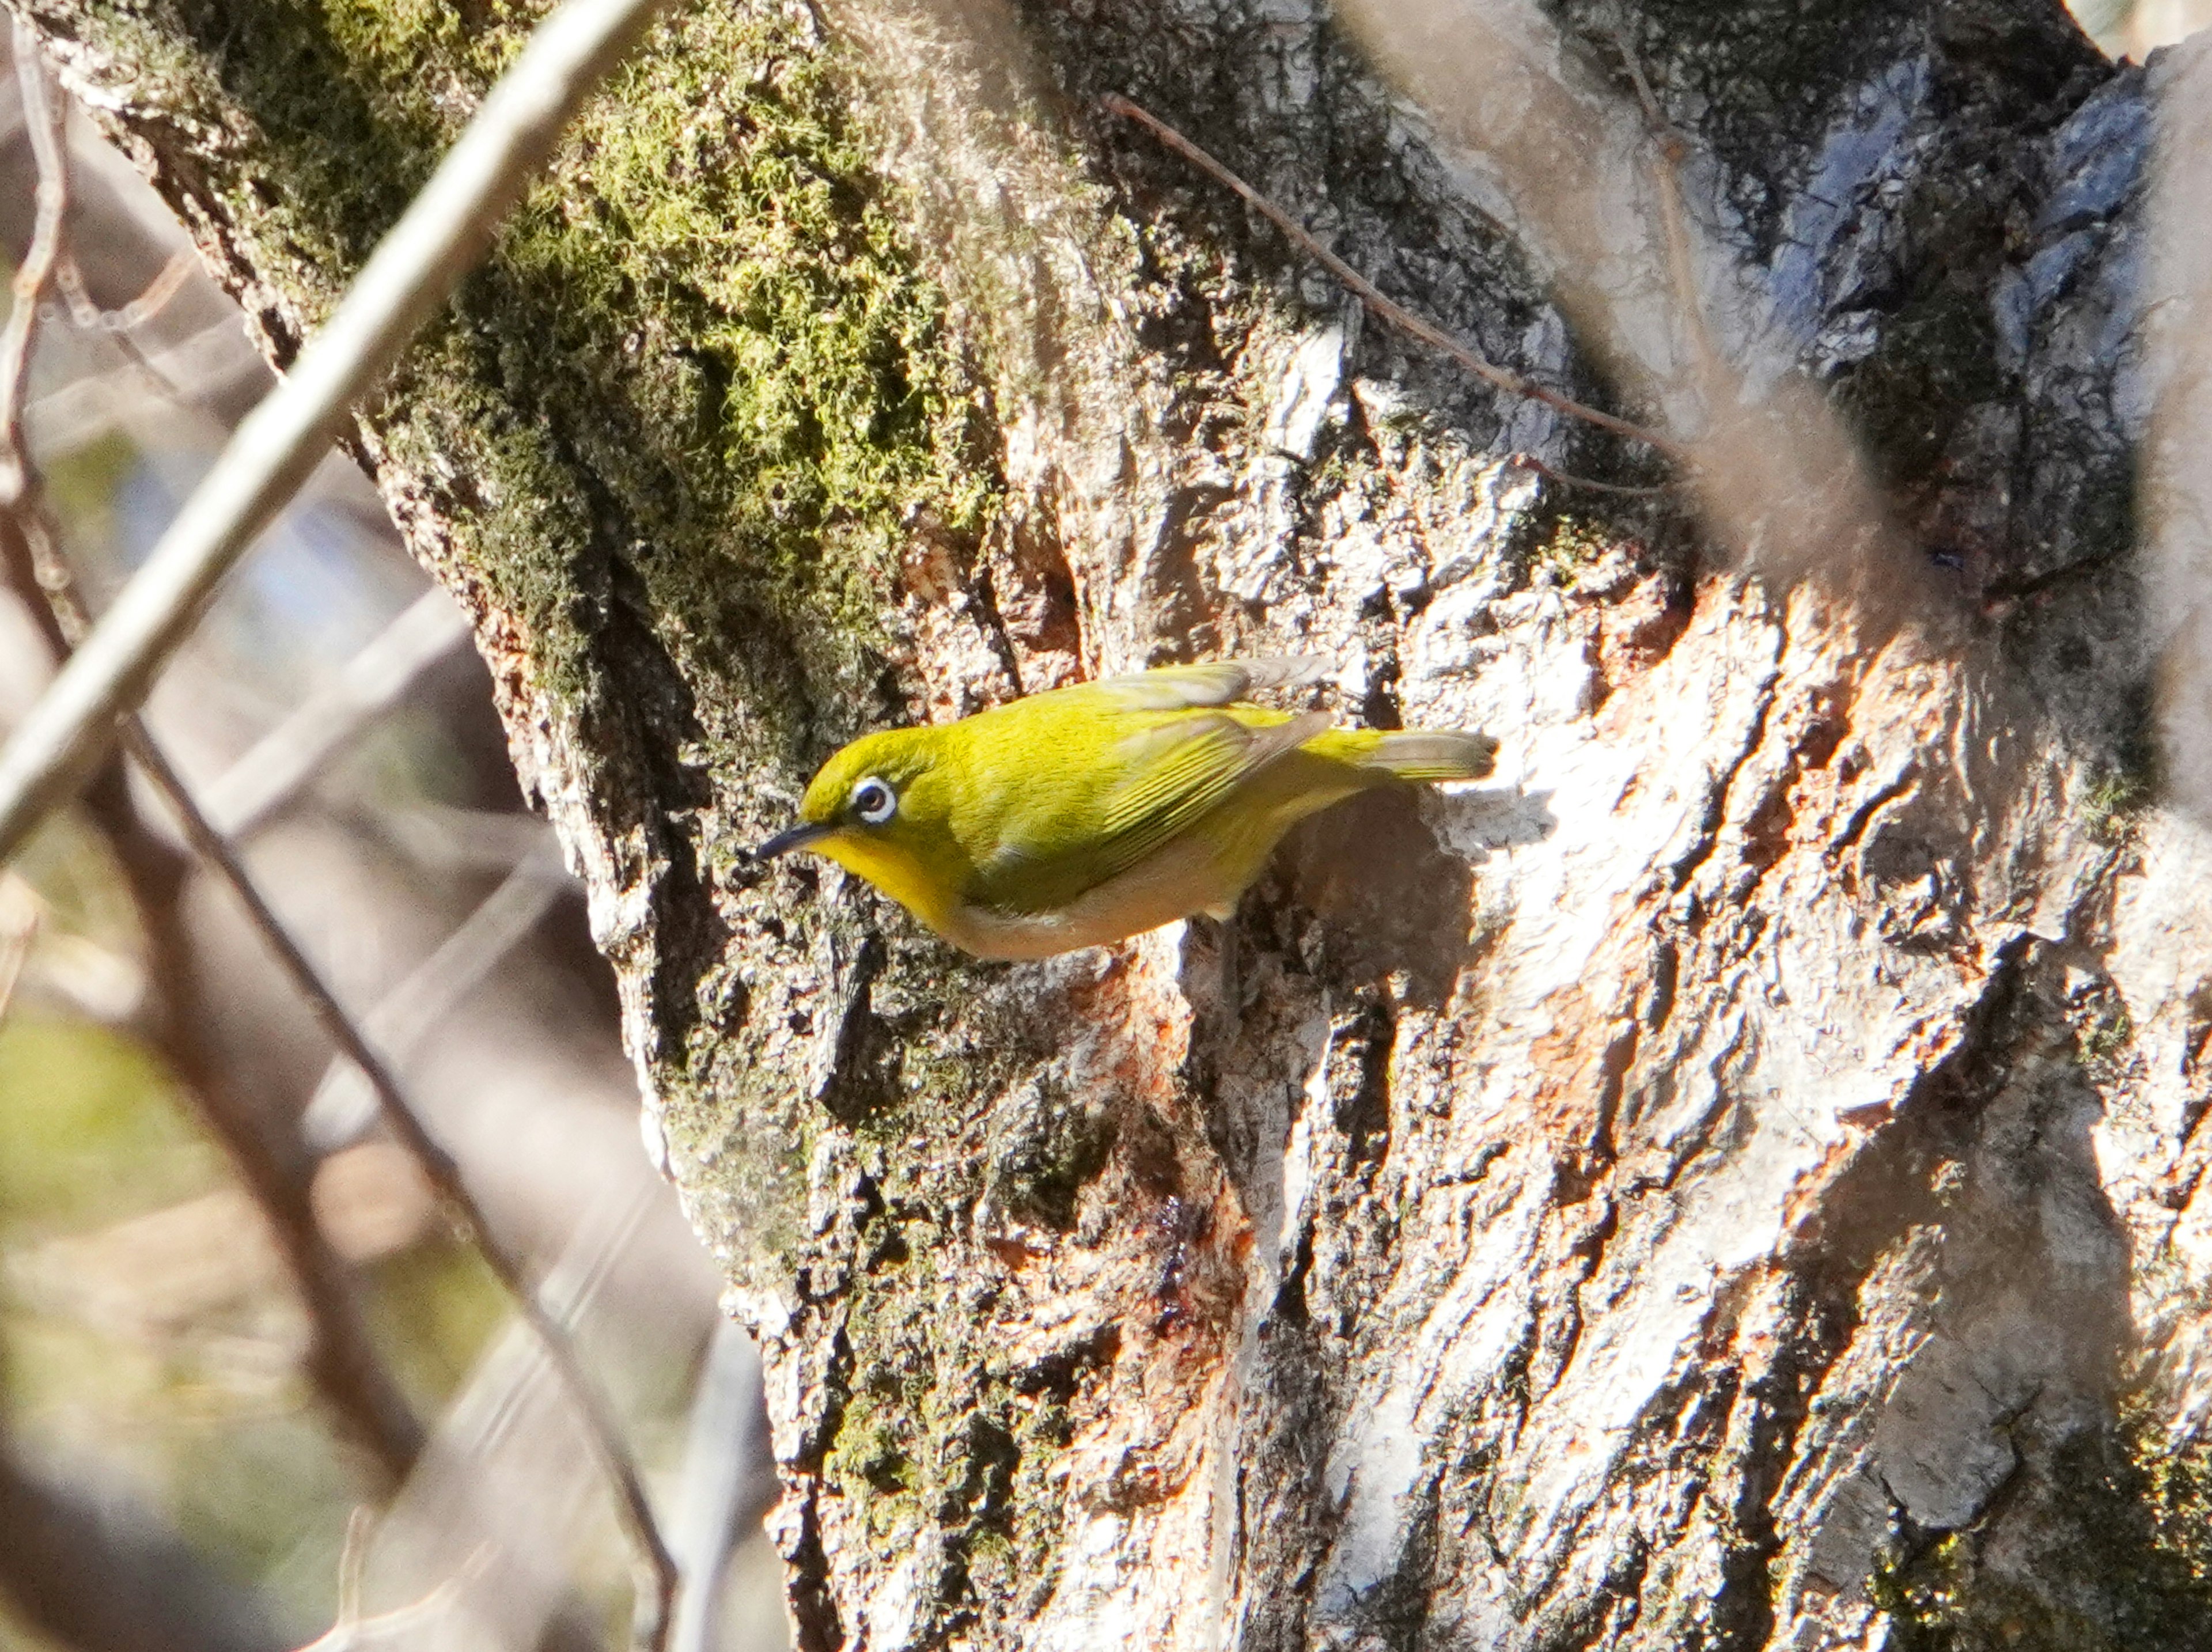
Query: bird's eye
point(873, 802)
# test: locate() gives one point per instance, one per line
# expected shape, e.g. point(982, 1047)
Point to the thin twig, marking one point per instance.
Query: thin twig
point(169, 281)
point(116, 326)
point(353, 1562)
point(211, 360)
point(58, 746)
point(1655, 117)
point(34, 277)
point(656, 1570)
point(1529, 461)
point(276, 1171)
point(447, 837)
point(1673, 150)
point(343, 1634)
point(722, 1489)
point(19, 930)
point(1372, 296)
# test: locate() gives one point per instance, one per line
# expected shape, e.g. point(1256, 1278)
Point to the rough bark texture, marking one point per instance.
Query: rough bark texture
point(1733, 1185)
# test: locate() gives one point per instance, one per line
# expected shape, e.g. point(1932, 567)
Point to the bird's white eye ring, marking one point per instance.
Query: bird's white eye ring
point(873, 802)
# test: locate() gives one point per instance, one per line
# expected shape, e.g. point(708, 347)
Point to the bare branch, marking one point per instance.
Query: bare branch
point(117, 326)
point(656, 1590)
point(656, 1570)
point(19, 929)
point(455, 839)
point(34, 278)
point(361, 1525)
point(54, 752)
point(1529, 461)
point(351, 1627)
point(151, 303)
point(105, 1574)
point(723, 1489)
point(1372, 296)
point(215, 358)
point(503, 1464)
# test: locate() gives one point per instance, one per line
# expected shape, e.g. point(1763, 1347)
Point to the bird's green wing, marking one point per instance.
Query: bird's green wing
point(1184, 769)
point(1178, 768)
point(1170, 747)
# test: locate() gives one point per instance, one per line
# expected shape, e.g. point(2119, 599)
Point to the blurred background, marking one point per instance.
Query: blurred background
point(2134, 29)
point(170, 1475)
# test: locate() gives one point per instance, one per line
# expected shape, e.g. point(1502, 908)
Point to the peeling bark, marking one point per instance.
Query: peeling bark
point(1733, 1183)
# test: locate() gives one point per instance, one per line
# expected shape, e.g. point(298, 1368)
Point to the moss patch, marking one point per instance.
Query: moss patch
point(2126, 782)
point(703, 351)
point(717, 261)
point(2123, 1561)
point(941, 1449)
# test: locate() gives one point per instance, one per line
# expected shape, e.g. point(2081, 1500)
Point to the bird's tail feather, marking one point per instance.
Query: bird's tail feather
point(1413, 754)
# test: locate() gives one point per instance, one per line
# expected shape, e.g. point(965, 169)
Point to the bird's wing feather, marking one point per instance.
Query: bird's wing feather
point(1186, 750)
point(1184, 769)
point(1180, 768)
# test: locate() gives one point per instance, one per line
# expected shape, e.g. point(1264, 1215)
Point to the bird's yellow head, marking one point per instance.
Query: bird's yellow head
point(883, 808)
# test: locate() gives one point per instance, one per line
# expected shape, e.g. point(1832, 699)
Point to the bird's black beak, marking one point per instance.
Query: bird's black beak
point(797, 838)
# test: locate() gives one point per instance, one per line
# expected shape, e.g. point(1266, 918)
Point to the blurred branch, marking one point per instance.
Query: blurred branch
point(272, 1162)
point(82, 412)
point(19, 928)
point(656, 1580)
point(1529, 461)
point(454, 839)
point(284, 1193)
point(342, 1106)
point(119, 325)
point(59, 743)
point(723, 1489)
point(261, 783)
point(1388, 309)
point(140, 310)
point(102, 1575)
point(342, 1356)
point(1672, 149)
point(34, 277)
point(504, 1463)
point(351, 1628)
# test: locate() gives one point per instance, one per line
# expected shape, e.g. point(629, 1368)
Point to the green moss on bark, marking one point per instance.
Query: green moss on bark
point(702, 351)
point(2122, 1560)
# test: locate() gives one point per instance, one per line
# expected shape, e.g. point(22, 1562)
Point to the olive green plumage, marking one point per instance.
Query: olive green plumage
point(1094, 812)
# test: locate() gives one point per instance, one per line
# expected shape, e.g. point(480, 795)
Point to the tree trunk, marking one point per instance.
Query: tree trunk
point(1730, 1184)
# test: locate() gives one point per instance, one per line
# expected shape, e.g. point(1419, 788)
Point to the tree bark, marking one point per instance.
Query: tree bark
point(1732, 1184)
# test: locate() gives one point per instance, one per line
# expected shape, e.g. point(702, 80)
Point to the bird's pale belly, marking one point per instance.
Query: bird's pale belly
point(1189, 875)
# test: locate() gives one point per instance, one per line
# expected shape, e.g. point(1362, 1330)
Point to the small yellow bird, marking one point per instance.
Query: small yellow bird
point(1094, 812)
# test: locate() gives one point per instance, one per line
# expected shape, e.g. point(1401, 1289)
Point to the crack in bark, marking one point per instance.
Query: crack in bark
point(1903, 785)
point(1709, 828)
